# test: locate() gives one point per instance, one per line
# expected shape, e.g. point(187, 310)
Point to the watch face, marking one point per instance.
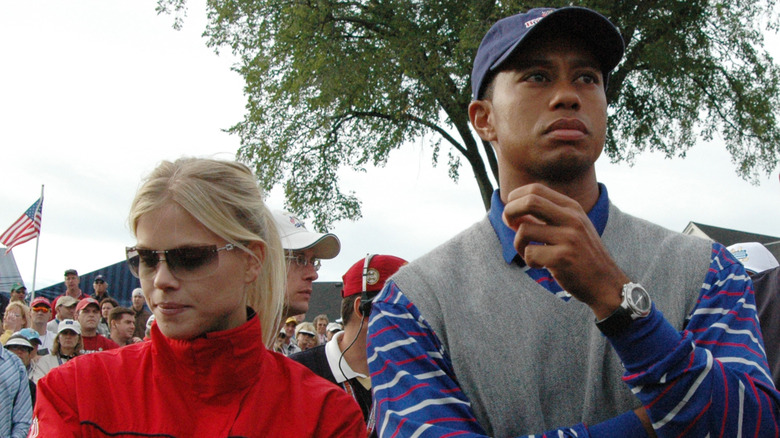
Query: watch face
point(640, 300)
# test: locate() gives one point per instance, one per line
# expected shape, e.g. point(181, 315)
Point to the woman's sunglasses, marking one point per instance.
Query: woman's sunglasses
point(187, 263)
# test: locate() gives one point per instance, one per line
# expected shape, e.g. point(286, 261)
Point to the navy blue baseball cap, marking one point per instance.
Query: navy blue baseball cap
point(508, 34)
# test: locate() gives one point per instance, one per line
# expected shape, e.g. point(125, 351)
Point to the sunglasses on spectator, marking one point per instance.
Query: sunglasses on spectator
point(99, 281)
point(41, 309)
point(186, 263)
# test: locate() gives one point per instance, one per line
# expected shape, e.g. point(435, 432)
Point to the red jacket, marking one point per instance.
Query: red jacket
point(223, 384)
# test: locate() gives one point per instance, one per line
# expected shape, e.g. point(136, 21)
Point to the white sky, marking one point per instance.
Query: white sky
point(94, 93)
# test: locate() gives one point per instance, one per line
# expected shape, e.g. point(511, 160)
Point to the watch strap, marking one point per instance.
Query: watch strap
point(616, 322)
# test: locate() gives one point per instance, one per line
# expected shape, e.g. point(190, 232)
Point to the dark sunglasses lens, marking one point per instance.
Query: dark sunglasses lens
point(186, 261)
point(132, 260)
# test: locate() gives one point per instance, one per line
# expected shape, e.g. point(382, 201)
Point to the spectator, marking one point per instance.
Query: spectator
point(306, 335)
point(15, 402)
point(343, 359)
point(19, 293)
point(17, 317)
point(35, 340)
point(141, 314)
point(148, 332)
point(764, 270)
point(212, 270)
point(88, 315)
point(321, 324)
point(122, 321)
point(72, 288)
point(65, 309)
point(680, 358)
point(39, 317)
point(106, 305)
point(333, 328)
point(67, 345)
point(753, 256)
point(290, 344)
point(24, 350)
point(303, 250)
point(100, 285)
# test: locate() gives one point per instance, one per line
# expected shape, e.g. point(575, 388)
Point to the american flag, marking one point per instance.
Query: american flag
point(25, 228)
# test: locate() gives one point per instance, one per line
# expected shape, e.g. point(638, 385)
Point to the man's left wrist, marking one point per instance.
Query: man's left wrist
point(636, 303)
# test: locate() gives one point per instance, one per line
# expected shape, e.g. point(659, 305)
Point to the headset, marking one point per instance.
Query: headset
point(366, 302)
point(365, 309)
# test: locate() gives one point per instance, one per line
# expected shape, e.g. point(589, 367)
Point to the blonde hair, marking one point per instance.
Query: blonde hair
point(223, 196)
point(22, 308)
point(56, 349)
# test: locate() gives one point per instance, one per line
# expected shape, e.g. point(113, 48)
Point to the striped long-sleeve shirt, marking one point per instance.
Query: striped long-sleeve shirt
point(15, 402)
point(710, 379)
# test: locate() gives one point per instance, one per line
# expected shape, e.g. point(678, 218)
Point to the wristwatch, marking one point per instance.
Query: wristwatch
point(636, 304)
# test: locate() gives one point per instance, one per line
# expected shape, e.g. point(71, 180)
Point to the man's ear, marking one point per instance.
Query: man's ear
point(481, 117)
point(356, 307)
point(254, 264)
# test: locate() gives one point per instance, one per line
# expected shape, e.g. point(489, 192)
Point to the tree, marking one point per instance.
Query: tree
point(334, 83)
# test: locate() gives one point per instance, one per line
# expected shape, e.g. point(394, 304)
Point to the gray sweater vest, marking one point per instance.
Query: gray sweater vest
point(527, 360)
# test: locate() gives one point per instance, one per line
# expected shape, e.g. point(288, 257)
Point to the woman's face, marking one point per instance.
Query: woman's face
point(68, 339)
point(13, 320)
point(185, 309)
point(306, 341)
point(104, 309)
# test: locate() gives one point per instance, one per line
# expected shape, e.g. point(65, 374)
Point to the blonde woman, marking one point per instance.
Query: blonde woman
point(17, 317)
point(67, 345)
point(212, 271)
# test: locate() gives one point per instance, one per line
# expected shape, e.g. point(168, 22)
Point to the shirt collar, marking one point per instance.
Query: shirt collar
point(598, 216)
point(333, 353)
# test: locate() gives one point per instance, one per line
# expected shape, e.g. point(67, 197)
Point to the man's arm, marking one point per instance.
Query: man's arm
point(713, 377)
point(415, 388)
point(22, 404)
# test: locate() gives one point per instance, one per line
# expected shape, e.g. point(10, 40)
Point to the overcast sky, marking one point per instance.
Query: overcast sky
point(94, 93)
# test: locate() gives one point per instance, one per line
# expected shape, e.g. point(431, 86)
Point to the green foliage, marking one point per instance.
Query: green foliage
point(336, 83)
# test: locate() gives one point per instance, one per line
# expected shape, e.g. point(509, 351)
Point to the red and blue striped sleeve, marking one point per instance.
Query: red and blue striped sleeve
point(415, 389)
point(712, 378)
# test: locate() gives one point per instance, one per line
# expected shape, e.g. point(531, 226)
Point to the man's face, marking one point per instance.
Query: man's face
point(289, 330)
point(547, 115)
point(66, 312)
point(125, 326)
point(40, 314)
point(299, 284)
point(321, 326)
point(306, 341)
point(24, 353)
point(138, 302)
point(72, 281)
point(100, 287)
point(89, 318)
point(19, 294)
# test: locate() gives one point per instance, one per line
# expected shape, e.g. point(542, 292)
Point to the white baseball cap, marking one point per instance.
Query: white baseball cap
point(295, 236)
point(753, 256)
point(69, 324)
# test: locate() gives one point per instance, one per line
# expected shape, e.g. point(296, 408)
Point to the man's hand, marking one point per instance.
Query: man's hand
point(570, 249)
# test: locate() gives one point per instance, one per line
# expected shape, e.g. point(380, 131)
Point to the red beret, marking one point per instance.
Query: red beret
point(380, 268)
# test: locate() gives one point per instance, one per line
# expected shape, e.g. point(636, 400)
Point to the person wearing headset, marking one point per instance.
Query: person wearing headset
point(342, 360)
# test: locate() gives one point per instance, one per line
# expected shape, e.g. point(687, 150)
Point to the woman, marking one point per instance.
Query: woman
point(212, 271)
point(17, 317)
point(106, 304)
point(306, 335)
point(67, 345)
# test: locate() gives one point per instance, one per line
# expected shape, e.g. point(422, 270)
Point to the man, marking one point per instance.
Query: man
point(100, 285)
point(15, 403)
point(290, 344)
point(88, 316)
point(41, 314)
point(304, 250)
point(25, 351)
point(551, 234)
point(141, 314)
point(72, 288)
point(18, 293)
point(65, 308)
point(321, 324)
point(342, 360)
point(122, 323)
